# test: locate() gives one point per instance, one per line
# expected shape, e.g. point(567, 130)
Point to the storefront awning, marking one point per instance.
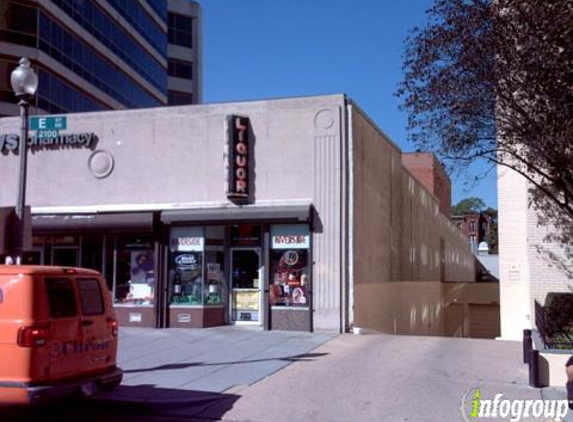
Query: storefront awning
point(112, 222)
point(269, 214)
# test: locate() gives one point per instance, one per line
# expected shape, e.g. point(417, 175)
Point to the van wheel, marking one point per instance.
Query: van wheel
point(108, 386)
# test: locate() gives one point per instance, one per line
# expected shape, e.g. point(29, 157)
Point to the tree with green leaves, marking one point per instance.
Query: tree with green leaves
point(491, 80)
point(492, 235)
point(468, 206)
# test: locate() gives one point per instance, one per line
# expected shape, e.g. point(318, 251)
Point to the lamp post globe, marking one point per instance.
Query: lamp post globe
point(24, 83)
point(24, 80)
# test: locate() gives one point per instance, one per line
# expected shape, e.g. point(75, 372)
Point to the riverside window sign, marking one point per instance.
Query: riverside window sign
point(238, 147)
point(48, 136)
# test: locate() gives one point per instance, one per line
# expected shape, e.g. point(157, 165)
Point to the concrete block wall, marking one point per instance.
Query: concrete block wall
point(399, 234)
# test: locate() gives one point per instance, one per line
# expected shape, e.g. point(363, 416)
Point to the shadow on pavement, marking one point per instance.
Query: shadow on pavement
point(128, 403)
point(304, 357)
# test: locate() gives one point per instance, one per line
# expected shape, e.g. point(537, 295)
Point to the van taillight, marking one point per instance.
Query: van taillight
point(33, 336)
point(113, 326)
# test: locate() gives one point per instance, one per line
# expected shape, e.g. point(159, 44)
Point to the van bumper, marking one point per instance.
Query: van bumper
point(38, 393)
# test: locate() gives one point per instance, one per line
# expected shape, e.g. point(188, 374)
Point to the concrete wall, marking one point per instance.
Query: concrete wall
point(458, 300)
point(174, 157)
point(403, 247)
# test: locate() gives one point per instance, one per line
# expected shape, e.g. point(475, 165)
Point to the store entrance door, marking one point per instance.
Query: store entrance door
point(66, 256)
point(246, 283)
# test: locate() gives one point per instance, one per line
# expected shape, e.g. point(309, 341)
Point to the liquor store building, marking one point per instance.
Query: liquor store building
point(289, 214)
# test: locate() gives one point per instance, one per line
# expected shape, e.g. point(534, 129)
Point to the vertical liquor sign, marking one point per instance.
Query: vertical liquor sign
point(238, 146)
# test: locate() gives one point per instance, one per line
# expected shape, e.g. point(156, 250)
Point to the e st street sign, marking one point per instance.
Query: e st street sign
point(48, 123)
point(48, 136)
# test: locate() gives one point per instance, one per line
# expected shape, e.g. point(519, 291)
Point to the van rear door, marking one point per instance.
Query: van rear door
point(65, 331)
point(99, 341)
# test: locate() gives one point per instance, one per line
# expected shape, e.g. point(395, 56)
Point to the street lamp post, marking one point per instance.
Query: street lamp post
point(24, 84)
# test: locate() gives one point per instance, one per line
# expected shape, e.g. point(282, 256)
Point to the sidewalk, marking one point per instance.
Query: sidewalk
point(166, 367)
point(245, 374)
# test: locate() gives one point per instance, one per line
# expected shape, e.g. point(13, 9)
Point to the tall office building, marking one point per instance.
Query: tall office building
point(91, 54)
point(184, 55)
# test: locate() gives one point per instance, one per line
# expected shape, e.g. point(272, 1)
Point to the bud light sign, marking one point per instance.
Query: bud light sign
point(187, 261)
point(238, 171)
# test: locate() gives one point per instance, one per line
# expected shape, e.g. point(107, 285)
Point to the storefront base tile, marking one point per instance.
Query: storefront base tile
point(290, 319)
point(197, 317)
point(135, 316)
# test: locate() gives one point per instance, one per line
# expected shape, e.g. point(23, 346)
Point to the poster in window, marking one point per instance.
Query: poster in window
point(141, 282)
point(289, 283)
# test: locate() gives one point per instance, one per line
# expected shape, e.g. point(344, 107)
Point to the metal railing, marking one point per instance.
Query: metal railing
point(554, 326)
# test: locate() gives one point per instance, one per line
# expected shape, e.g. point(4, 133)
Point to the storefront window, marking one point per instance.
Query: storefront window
point(246, 235)
point(135, 272)
point(187, 286)
point(92, 252)
point(186, 267)
point(290, 270)
point(214, 289)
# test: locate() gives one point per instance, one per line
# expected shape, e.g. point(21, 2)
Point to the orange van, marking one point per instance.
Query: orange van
point(58, 334)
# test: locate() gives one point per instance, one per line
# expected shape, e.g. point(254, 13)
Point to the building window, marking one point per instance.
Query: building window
point(472, 226)
point(196, 273)
point(179, 98)
point(94, 20)
point(180, 30)
point(135, 273)
point(62, 46)
point(139, 18)
point(57, 96)
point(19, 24)
point(289, 284)
point(180, 69)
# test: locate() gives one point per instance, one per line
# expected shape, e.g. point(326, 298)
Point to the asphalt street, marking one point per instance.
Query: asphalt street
point(247, 375)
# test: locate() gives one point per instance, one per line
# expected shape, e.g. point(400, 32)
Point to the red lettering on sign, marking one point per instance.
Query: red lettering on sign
point(239, 125)
point(242, 148)
point(241, 186)
point(241, 160)
point(241, 173)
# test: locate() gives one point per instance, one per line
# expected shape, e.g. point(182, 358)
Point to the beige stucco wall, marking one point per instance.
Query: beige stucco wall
point(403, 247)
point(174, 158)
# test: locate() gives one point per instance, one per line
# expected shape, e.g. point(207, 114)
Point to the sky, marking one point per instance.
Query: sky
point(262, 49)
